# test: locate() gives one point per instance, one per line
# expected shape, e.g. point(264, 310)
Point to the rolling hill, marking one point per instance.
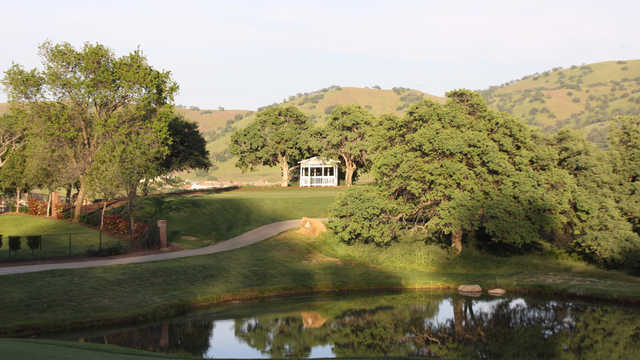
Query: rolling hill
point(317, 105)
point(583, 97)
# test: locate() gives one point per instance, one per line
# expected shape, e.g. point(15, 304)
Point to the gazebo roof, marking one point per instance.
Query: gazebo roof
point(316, 160)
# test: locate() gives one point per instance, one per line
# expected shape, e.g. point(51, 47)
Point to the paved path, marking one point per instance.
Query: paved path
point(251, 237)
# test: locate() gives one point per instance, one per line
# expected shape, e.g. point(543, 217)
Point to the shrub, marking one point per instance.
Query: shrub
point(363, 216)
point(14, 243)
point(34, 242)
point(37, 207)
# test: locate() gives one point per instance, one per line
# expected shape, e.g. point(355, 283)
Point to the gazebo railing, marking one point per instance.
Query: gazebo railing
point(318, 180)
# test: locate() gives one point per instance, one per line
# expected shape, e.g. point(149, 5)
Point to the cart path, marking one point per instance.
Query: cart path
point(250, 237)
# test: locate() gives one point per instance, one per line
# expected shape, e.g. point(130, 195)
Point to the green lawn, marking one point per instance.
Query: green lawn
point(289, 263)
point(22, 349)
point(55, 240)
point(200, 220)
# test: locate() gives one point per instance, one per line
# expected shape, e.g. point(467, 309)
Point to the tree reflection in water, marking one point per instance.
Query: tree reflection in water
point(409, 325)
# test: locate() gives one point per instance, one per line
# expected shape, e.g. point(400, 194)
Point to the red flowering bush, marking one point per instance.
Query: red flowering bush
point(37, 207)
point(120, 226)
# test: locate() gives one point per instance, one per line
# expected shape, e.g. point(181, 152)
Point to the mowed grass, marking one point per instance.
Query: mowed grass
point(22, 349)
point(289, 263)
point(55, 237)
point(202, 219)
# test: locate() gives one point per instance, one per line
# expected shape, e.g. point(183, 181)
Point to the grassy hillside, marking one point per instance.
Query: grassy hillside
point(317, 105)
point(581, 97)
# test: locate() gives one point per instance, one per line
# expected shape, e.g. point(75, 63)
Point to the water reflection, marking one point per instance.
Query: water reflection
point(408, 324)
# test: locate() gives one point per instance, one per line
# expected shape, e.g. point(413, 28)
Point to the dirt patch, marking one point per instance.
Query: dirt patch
point(318, 258)
point(188, 238)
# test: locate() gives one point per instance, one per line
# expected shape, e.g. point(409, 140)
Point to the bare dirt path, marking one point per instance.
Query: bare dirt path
point(250, 237)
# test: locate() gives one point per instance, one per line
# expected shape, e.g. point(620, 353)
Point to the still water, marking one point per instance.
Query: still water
point(431, 324)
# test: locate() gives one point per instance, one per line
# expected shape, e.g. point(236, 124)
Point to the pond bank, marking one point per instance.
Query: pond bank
point(288, 264)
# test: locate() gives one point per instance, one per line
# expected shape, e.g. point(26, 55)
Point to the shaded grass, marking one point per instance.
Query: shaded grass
point(18, 349)
point(200, 220)
point(55, 241)
point(287, 264)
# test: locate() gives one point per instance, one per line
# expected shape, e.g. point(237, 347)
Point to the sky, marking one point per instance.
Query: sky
point(246, 54)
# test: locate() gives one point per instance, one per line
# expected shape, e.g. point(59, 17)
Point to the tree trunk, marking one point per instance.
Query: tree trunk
point(68, 195)
point(458, 318)
point(284, 167)
point(18, 199)
point(131, 196)
point(104, 208)
point(349, 174)
point(456, 240)
point(79, 202)
point(49, 205)
point(145, 187)
point(350, 169)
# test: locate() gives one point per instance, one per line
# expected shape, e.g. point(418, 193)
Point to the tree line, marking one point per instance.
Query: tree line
point(94, 121)
point(283, 135)
point(460, 173)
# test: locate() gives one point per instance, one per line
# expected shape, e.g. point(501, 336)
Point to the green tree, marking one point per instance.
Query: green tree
point(187, 148)
point(97, 91)
point(596, 227)
point(346, 137)
point(11, 135)
point(280, 136)
point(458, 168)
point(624, 140)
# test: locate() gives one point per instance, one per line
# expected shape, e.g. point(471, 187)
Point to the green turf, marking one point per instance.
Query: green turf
point(22, 349)
point(58, 300)
point(55, 240)
point(200, 220)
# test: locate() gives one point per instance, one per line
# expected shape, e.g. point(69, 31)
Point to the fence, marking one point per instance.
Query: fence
point(51, 246)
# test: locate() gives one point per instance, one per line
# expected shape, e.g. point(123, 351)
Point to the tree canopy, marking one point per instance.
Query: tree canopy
point(87, 95)
point(345, 137)
point(280, 136)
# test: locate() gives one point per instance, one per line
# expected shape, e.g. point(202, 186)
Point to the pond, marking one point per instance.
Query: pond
point(428, 324)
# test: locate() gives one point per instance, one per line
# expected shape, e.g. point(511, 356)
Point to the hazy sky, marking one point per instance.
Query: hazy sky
point(245, 54)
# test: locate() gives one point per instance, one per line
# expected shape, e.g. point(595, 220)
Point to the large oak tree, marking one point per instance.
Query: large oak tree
point(94, 91)
point(280, 136)
point(346, 137)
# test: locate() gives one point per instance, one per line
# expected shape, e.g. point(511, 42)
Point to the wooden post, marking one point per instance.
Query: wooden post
point(162, 228)
point(55, 200)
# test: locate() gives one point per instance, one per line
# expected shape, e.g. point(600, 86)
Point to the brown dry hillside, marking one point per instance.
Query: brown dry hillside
point(581, 97)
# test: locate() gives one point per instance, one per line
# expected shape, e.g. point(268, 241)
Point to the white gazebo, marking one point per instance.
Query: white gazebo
point(317, 171)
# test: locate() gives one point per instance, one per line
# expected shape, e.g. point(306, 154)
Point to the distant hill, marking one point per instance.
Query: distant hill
point(580, 97)
point(585, 97)
point(317, 105)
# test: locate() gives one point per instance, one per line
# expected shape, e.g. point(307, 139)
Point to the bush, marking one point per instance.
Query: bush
point(361, 215)
point(14, 243)
point(37, 207)
point(34, 242)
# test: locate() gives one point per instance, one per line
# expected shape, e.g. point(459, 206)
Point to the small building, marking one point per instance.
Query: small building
point(317, 171)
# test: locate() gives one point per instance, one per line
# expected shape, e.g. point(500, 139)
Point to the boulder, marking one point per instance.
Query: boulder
point(470, 288)
point(311, 227)
point(497, 292)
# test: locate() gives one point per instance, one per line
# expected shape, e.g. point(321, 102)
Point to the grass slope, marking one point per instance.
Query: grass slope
point(581, 97)
point(23, 349)
point(55, 241)
point(288, 263)
point(202, 219)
